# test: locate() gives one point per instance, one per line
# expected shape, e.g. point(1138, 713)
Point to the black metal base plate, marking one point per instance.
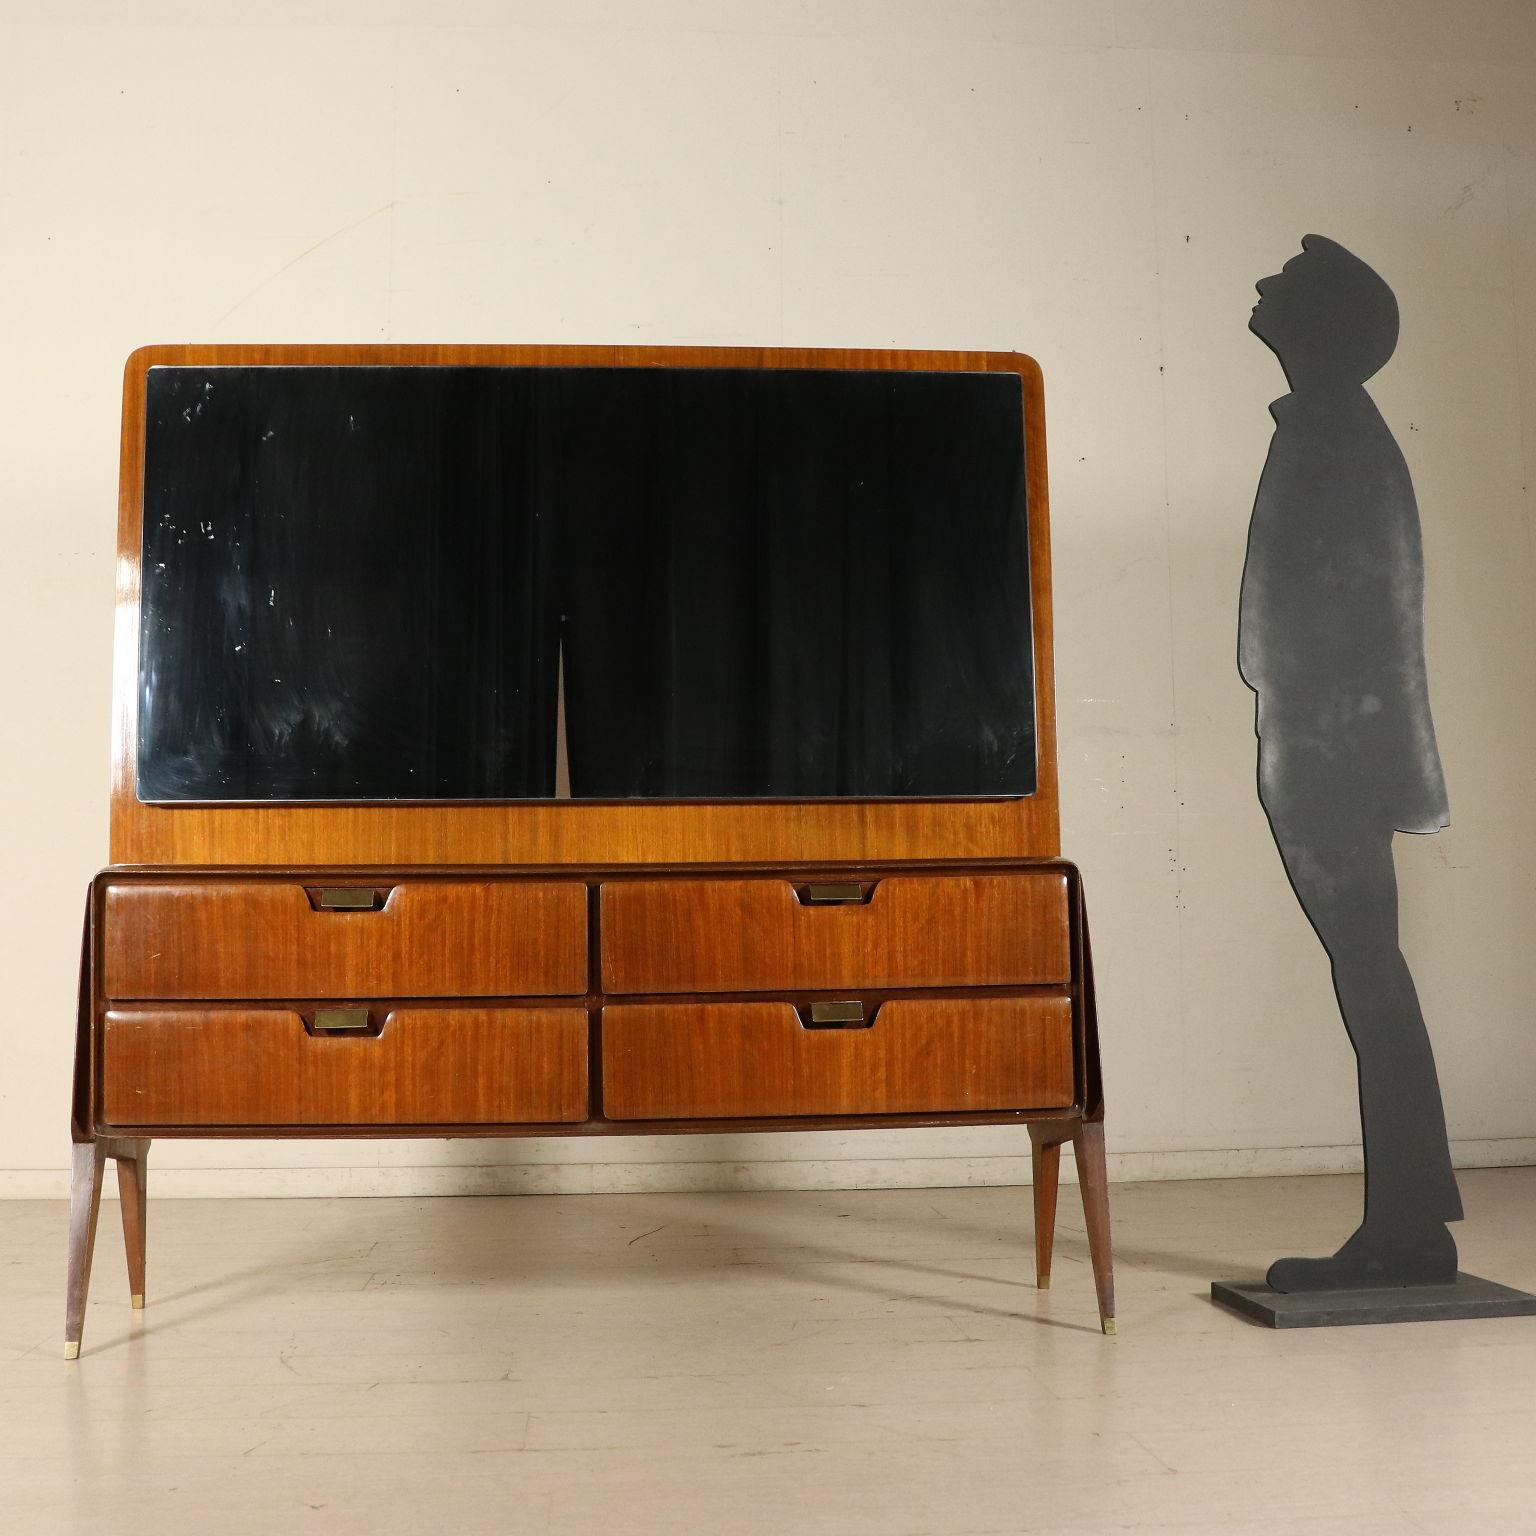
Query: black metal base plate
point(1468, 1297)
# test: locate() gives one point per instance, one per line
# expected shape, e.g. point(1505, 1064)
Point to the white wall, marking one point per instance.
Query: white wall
point(1097, 183)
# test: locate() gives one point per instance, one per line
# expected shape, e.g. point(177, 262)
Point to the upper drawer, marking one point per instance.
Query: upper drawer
point(707, 935)
point(266, 938)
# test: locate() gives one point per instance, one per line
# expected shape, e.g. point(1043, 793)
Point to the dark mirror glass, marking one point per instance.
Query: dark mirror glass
point(481, 583)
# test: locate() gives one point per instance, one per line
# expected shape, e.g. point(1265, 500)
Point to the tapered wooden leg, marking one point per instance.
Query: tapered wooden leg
point(90, 1159)
point(133, 1189)
point(84, 1206)
point(1088, 1145)
point(1046, 1143)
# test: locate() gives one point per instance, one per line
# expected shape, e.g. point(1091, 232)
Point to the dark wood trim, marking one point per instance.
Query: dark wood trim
point(1093, 1072)
point(81, 1105)
point(592, 873)
point(593, 1127)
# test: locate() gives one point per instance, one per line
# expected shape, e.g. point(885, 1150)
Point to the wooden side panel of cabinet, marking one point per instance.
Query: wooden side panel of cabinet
point(664, 1061)
point(190, 1067)
point(762, 935)
point(247, 939)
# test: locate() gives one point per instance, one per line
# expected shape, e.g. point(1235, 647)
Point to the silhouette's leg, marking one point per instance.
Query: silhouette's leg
point(1409, 1182)
point(84, 1206)
point(1410, 1191)
point(1347, 886)
point(1046, 1140)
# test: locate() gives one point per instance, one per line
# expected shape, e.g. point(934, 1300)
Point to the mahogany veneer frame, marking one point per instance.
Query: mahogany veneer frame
point(576, 832)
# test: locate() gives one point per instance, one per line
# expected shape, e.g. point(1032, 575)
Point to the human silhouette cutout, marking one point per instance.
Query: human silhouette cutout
point(1331, 639)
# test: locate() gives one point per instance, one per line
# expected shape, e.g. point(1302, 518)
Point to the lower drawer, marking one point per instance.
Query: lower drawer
point(684, 1061)
point(262, 1066)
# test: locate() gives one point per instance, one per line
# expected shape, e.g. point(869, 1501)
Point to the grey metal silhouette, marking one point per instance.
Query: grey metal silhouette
point(1331, 639)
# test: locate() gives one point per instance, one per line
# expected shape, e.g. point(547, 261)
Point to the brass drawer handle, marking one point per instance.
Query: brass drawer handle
point(339, 1020)
point(345, 898)
point(842, 1015)
point(832, 893)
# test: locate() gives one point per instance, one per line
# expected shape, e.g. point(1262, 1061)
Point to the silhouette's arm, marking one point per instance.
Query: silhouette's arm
point(1267, 529)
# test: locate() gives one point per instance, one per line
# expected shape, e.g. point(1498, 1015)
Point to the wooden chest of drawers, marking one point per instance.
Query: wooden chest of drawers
point(591, 1002)
point(426, 1001)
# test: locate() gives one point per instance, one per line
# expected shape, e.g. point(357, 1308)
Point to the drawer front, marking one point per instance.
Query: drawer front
point(704, 1061)
point(244, 939)
point(767, 935)
point(262, 1066)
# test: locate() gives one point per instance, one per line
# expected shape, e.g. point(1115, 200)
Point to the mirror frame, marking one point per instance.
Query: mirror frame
point(551, 833)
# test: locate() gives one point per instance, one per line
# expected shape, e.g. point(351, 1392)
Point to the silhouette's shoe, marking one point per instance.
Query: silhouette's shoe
point(1374, 1260)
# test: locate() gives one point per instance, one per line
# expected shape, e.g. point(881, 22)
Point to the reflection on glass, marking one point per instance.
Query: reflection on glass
point(369, 583)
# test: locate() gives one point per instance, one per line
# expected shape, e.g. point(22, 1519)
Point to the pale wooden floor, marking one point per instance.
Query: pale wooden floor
point(875, 1363)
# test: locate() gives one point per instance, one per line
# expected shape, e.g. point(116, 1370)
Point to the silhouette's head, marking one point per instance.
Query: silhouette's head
point(1327, 316)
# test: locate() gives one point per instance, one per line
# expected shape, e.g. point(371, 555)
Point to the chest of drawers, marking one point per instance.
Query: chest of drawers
point(331, 1002)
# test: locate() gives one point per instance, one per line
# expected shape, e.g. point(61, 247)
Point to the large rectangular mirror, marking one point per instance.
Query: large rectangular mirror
point(502, 583)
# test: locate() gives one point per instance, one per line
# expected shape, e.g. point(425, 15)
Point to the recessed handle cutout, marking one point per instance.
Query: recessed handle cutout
point(836, 1015)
